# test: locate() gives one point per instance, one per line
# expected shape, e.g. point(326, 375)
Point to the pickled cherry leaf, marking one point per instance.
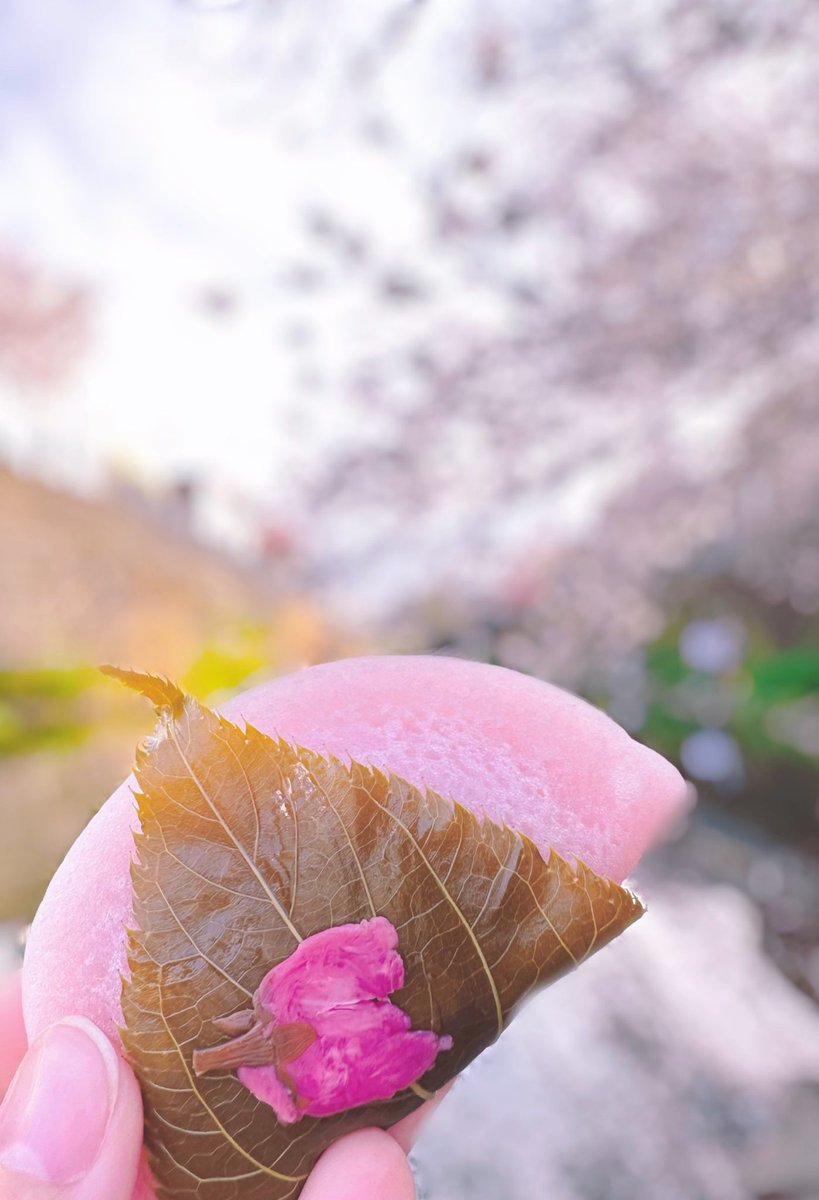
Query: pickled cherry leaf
point(248, 846)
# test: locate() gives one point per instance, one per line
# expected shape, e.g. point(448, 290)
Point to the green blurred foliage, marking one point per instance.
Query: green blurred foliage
point(222, 668)
point(58, 709)
point(765, 704)
point(44, 708)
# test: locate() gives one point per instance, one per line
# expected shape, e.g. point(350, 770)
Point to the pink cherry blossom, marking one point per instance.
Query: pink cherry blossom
point(323, 1035)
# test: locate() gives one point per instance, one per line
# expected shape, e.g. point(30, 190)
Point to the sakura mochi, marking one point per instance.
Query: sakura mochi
point(384, 999)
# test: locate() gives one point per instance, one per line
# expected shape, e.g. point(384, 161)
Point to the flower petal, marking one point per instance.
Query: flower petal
point(336, 984)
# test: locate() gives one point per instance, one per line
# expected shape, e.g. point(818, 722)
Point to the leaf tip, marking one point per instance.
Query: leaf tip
point(160, 691)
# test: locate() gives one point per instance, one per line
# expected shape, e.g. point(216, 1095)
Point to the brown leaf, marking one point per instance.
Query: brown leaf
point(249, 845)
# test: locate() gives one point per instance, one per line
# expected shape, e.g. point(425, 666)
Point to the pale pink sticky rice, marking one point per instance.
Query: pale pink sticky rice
point(506, 745)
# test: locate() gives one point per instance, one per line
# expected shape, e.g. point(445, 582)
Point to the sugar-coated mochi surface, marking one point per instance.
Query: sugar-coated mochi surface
point(512, 747)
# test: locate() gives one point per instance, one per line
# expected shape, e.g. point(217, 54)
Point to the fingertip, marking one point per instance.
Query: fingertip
point(367, 1165)
point(114, 1174)
point(127, 1119)
point(12, 1030)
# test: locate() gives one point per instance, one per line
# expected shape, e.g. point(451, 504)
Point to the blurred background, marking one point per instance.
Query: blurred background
point(480, 327)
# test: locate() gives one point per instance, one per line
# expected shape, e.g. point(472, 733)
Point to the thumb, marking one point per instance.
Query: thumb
point(71, 1123)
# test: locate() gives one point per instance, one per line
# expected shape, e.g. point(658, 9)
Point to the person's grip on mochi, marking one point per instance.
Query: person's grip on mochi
point(519, 750)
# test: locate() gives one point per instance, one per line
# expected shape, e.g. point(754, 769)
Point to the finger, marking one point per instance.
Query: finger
point(71, 1123)
point(367, 1165)
point(406, 1131)
point(12, 1031)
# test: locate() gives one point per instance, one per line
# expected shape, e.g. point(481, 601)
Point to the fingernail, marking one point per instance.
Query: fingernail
point(54, 1117)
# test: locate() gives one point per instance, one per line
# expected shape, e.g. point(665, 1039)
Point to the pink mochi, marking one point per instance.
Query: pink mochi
point(506, 745)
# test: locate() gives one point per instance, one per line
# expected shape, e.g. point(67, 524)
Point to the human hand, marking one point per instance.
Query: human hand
point(71, 1124)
